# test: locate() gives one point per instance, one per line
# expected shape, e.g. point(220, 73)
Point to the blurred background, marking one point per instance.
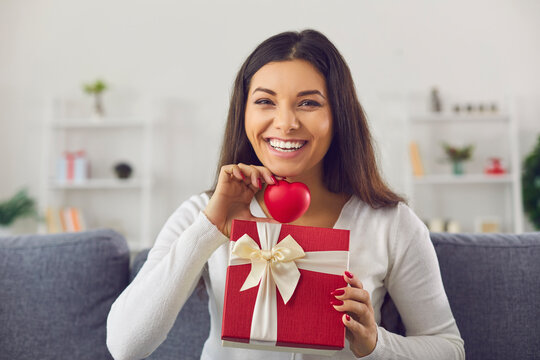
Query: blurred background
point(145, 135)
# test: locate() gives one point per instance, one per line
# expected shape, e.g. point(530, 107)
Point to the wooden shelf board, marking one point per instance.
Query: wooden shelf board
point(463, 179)
point(459, 118)
point(97, 184)
point(107, 123)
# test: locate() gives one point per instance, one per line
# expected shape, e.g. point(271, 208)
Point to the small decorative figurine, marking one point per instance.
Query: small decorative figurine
point(436, 105)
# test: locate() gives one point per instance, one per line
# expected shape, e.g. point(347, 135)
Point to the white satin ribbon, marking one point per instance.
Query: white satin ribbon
point(278, 262)
point(274, 265)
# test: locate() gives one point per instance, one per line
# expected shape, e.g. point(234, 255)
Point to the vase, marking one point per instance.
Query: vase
point(457, 167)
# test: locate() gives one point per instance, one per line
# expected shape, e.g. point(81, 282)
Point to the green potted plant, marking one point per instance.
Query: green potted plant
point(19, 206)
point(530, 180)
point(457, 156)
point(96, 88)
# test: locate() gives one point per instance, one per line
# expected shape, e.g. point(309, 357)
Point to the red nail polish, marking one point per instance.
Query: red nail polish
point(336, 302)
point(243, 177)
point(259, 183)
point(349, 275)
point(273, 178)
point(347, 317)
point(338, 292)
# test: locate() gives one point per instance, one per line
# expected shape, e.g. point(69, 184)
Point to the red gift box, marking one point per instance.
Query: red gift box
point(257, 315)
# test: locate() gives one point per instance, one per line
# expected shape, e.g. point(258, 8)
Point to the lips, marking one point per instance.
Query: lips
point(286, 153)
point(286, 145)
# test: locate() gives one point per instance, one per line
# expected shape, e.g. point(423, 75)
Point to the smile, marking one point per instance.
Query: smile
point(286, 146)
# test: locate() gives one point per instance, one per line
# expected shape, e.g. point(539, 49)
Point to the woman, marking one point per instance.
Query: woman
point(294, 113)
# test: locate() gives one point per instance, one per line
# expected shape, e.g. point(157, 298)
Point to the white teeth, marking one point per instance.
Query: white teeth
point(286, 145)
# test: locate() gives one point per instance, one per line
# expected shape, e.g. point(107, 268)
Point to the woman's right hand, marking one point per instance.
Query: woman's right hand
point(236, 186)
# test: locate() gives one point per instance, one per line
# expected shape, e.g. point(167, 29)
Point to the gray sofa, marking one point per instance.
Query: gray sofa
point(56, 291)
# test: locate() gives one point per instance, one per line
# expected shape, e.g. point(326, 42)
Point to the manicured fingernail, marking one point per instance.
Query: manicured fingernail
point(336, 302)
point(338, 292)
point(259, 183)
point(243, 177)
point(349, 275)
point(347, 317)
point(274, 179)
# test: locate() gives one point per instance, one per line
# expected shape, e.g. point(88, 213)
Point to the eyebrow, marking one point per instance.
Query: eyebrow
point(301, 93)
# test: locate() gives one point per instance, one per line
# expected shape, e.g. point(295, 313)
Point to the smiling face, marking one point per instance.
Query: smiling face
point(288, 118)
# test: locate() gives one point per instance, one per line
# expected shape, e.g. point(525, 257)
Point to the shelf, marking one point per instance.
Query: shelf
point(463, 179)
point(460, 118)
point(97, 184)
point(106, 123)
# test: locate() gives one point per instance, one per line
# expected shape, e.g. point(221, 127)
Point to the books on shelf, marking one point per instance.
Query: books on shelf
point(416, 160)
point(67, 219)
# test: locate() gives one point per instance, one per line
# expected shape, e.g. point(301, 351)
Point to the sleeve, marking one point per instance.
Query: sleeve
point(414, 282)
point(144, 313)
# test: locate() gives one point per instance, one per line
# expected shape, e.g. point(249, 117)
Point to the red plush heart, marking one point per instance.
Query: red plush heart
point(286, 201)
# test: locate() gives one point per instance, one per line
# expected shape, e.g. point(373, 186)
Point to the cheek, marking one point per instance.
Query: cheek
point(255, 123)
point(324, 130)
point(249, 125)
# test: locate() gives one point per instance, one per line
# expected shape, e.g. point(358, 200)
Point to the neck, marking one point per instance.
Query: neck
point(314, 181)
point(321, 197)
point(325, 206)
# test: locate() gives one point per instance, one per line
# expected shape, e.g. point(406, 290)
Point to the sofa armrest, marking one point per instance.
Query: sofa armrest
point(56, 292)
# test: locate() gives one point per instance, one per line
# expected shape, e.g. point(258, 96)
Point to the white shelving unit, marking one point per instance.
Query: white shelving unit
point(102, 196)
point(473, 195)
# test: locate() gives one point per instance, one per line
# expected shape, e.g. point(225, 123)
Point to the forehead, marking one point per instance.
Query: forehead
point(289, 76)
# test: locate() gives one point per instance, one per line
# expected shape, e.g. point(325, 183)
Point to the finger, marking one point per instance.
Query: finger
point(352, 280)
point(238, 174)
point(252, 175)
point(258, 176)
point(359, 311)
point(267, 175)
point(232, 172)
point(352, 293)
point(353, 326)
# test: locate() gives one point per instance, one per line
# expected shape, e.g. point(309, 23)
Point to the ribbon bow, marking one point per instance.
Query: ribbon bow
point(278, 261)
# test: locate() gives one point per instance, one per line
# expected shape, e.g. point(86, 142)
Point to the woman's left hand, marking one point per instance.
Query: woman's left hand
point(359, 317)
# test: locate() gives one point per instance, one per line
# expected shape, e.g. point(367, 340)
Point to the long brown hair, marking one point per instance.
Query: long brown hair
point(349, 166)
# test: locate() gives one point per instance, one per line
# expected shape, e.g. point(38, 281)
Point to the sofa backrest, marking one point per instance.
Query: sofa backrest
point(493, 286)
point(56, 292)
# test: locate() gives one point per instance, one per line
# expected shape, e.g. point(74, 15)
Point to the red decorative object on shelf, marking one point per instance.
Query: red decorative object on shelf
point(495, 167)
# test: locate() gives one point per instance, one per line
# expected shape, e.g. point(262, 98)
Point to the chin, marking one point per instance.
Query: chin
point(284, 171)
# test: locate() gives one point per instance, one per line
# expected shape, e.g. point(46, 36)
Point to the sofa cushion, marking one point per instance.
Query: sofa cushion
point(190, 330)
point(56, 292)
point(493, 286)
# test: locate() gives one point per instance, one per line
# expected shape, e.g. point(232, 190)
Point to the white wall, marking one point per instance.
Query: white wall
point(473, 50)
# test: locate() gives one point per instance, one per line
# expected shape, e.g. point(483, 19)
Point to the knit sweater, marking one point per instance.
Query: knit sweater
point(390, 251)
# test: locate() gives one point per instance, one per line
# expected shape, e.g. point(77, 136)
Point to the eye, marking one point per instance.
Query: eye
point(309, 103)
point(264, 102)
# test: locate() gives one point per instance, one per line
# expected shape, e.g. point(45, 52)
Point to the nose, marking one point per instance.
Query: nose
point(286, 120)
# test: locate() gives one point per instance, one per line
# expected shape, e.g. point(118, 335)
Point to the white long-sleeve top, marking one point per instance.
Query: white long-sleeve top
point(390, 250)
